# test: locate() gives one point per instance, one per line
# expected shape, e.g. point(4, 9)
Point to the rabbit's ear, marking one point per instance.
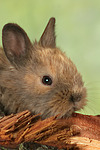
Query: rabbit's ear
point(48, 38)
point(16, 44)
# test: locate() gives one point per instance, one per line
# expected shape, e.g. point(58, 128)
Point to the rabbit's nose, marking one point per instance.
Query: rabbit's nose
point(75, 97)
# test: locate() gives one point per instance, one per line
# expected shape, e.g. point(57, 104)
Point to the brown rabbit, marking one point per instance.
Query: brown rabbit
point(38, 77)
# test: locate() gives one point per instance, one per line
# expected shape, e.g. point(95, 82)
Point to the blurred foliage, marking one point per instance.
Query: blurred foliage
point(77, 30)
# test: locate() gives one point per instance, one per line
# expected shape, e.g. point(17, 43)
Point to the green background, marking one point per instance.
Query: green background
point(77, 31)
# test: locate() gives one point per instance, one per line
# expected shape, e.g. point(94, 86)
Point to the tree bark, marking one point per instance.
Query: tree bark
point(78, 131)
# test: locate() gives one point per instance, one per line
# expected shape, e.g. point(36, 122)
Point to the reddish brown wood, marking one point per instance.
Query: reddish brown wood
point(78, 131)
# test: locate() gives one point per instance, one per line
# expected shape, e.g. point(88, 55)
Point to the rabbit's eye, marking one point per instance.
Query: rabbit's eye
point(46, 80)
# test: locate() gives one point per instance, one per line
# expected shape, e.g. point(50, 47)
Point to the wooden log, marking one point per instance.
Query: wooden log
point(82, 131)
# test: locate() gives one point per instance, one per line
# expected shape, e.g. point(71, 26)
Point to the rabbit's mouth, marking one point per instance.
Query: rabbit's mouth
point(66, 102)
point(68, 113)
point(74, 107)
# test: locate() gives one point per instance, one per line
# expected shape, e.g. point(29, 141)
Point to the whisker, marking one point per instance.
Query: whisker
point(93, 99)
point(92, 82)
point(94, 87)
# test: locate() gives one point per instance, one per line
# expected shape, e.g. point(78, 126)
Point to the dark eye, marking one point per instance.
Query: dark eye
point(46, 80)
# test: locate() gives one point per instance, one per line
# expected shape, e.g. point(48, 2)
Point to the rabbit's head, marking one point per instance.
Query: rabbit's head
point(42, 78)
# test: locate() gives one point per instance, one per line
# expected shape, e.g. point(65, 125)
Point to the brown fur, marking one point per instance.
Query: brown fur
point(22, 67)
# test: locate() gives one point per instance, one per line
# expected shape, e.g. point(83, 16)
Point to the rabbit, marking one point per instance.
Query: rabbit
point(38, 76)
